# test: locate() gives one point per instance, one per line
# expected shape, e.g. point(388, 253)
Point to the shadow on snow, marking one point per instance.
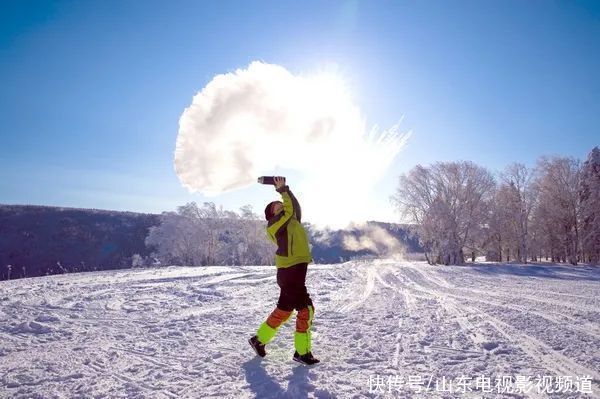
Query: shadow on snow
point(553, 271)
point(265, 386)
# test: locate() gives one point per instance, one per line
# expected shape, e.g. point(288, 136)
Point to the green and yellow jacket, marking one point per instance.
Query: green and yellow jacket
point(287, 232)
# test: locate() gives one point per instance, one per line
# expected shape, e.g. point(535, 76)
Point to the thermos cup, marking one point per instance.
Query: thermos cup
point(269, 179)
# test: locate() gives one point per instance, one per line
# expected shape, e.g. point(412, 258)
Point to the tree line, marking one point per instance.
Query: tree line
point(202, 235)
point(43, 240)
point(206, 235)
point(547, 212)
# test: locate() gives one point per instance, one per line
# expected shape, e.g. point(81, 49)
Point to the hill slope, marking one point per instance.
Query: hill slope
point(40, 240)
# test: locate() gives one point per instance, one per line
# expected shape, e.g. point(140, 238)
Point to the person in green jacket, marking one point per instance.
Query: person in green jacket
point(292, 257)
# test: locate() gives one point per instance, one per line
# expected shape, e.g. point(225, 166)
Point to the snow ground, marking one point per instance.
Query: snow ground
point(181, 332)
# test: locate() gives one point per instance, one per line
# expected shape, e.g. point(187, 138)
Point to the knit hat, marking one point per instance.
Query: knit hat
point(269, 210)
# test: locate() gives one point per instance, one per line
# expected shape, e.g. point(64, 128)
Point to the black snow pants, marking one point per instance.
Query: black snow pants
point(292, 283)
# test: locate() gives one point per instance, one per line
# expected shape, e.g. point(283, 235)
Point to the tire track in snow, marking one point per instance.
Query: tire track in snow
point(222, 278)
point(400, 346)
point(504, 302)
point(462, 318)
point(412, 342)
point(453, 308)
point(569, 295)
point(371, 285)
point(548, 357)
point(367, 291)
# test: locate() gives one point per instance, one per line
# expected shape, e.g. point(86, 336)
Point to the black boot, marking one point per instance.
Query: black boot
point(307, 358)
point(257, 346)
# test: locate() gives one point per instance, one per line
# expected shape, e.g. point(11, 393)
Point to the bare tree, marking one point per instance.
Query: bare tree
point(502, 230)
point(558, 212)
point(449, 203)
point(515, 201)
point(208, 223)
point(253, 247)
point(589, 195)
point(177, 240)
point(209, 235)
point(137, 261)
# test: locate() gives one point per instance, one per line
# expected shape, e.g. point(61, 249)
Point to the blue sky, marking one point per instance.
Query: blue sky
point(92, 91)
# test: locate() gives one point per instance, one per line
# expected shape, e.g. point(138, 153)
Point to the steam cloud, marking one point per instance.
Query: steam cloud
point(376, 240)
point(256, 120)
point(362, 236)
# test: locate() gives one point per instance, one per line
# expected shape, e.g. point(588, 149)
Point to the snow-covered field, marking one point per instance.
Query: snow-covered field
point(382, 329)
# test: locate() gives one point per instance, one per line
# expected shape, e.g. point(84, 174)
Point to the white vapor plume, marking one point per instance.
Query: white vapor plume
point(375, 239)
point(257, 120)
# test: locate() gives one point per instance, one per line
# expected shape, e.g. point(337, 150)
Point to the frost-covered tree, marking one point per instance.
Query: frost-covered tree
point(177, 240)
point(208, 223)
point(558, 212)
point(137, 261)
point(253, 247)
point(589, 195)
point(514, 202)
point(449, 204)
point(209, 235)
point(502, 235)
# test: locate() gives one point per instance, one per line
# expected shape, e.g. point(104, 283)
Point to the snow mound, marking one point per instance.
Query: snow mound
point(32, 327)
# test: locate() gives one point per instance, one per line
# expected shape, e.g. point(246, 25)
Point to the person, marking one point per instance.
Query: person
point(292, 257)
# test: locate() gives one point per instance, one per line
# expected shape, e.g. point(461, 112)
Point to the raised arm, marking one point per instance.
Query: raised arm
point(296, 204)
point(281, 188)
point(288, 211)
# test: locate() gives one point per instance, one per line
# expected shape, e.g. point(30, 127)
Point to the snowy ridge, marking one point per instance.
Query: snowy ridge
point(181, 332)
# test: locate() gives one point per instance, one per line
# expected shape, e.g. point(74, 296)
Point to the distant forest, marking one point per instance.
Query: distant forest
point(41, 240)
